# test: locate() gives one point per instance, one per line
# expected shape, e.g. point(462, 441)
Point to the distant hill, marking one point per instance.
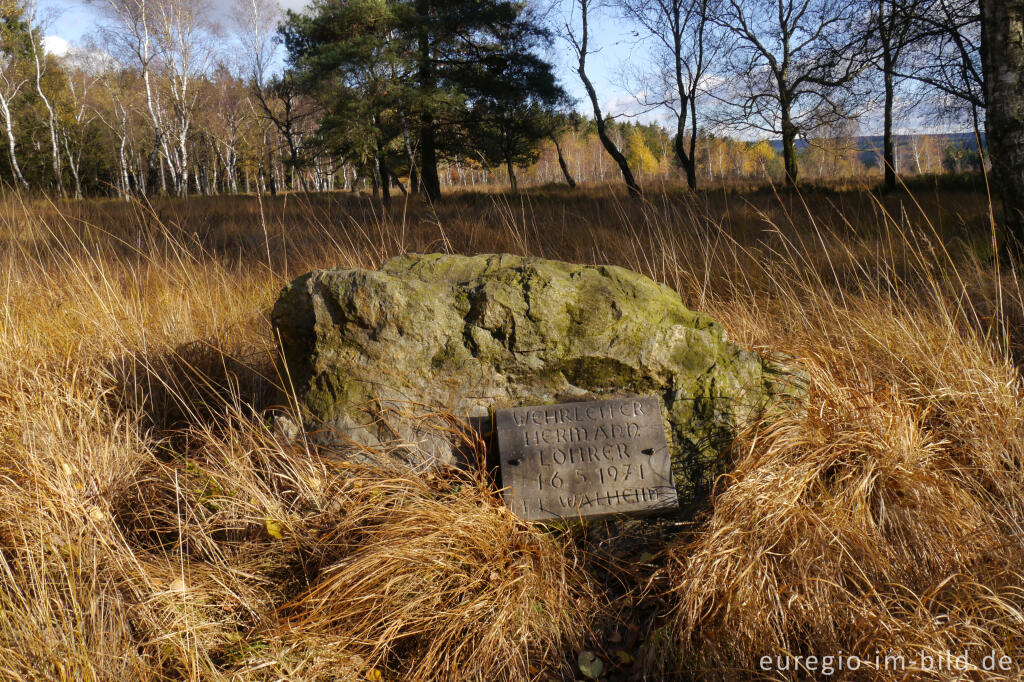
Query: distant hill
point(965, 146)
point(873, 143)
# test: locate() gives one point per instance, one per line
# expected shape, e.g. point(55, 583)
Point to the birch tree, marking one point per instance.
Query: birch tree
point(82, 71)
point(40, 63)
point(184, 36)
point(795, 67)
point(227, 109)
point(687, 44)
point(893, 28)
point(118, 108)
point(171, 43)
point(15, 36)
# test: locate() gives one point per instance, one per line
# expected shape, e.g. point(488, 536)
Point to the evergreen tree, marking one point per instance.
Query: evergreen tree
point(347, 55)
point(513, 95)
point(436, 54)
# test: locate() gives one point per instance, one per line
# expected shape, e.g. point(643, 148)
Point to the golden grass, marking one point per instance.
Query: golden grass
point(439, 575)
point(154, 525)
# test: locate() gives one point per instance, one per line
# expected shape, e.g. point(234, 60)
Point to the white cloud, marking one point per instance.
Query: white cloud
point(56, 45)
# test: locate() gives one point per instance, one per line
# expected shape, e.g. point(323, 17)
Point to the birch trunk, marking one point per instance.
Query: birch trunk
point(52, 120)
point(5, 109)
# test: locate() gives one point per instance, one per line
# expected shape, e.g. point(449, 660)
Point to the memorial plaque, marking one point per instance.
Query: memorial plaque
point(585, 460)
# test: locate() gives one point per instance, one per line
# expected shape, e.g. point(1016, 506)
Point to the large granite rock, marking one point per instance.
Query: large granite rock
point(374, 355)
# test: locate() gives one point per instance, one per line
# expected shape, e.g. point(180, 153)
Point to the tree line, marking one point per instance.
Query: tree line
point(180, 96)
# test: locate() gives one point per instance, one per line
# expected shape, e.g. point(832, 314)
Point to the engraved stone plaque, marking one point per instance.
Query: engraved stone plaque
point(585, 460)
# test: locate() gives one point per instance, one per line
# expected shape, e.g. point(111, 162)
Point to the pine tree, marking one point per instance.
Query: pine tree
point(423, 61)
point(513, 95)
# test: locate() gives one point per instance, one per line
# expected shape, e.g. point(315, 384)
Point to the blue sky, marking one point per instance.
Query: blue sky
point(73, 21)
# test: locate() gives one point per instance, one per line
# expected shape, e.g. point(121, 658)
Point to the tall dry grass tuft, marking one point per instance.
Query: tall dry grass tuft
point(886, 521)
point(429, 575)
point(853, 529)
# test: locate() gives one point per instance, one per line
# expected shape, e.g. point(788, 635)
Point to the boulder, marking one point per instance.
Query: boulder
point(382, 356)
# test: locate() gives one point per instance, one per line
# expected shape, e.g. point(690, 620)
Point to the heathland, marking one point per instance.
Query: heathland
point(155, 525)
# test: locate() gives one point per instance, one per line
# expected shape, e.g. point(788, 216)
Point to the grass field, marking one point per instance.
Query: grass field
point(154, 526)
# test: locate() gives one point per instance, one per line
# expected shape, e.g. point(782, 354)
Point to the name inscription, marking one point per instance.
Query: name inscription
point(585, 460)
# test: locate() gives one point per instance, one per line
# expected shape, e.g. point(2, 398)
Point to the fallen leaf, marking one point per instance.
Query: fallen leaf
point(274, 529)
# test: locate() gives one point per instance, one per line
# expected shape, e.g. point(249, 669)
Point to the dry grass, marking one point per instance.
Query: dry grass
point(154, 526)
point(440, 577)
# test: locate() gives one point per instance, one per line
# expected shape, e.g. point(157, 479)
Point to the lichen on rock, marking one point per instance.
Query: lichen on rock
point(372, 354)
